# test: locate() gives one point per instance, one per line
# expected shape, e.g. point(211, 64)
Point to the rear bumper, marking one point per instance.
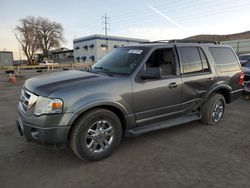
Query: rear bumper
point(52, 136)
point(234, 95)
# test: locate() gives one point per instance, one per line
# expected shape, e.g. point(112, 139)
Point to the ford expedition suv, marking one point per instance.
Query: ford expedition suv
point(130, 91)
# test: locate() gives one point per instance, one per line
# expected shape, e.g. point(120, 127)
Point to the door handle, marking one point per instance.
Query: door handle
point(210, 79)
point(172, 85)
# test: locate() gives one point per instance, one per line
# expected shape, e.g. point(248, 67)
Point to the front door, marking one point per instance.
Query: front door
point(159, 98)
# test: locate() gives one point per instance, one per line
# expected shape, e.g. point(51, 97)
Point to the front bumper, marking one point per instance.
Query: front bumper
point(51, 136)
point(50, 130)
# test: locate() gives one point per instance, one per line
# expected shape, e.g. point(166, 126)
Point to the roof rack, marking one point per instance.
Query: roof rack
point(184, 41)
point(156, 41)
point(193, 41)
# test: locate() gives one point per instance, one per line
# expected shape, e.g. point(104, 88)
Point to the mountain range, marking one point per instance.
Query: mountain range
point(229, 37)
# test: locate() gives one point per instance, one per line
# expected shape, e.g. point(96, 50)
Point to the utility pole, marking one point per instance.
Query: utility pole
point(20, 56)
point(106, 27)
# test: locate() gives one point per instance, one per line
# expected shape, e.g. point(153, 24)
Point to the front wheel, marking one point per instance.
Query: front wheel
point(96, 134)
point(213, 109)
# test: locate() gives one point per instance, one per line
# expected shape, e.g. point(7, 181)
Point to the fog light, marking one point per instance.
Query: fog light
point(34, 133)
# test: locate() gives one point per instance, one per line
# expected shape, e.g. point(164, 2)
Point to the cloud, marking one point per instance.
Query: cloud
point(165, 16)
point(156, 33)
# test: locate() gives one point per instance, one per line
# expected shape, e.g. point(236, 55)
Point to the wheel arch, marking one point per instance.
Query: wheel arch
point(224, 90)
point(113, 107)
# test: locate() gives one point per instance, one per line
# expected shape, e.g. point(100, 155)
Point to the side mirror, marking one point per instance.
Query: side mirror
point(151, 73)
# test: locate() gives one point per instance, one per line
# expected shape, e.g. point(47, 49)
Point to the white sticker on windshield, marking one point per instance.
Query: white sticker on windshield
point(135, 51)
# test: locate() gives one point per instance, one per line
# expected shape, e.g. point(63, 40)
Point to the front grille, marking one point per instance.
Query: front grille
point(24, 100)
point(27, 99)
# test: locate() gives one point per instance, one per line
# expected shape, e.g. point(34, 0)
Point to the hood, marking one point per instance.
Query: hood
point(46, 84)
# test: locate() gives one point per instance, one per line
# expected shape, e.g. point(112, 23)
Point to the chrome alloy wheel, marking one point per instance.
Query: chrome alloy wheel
point(218, 111)
point(99, 136)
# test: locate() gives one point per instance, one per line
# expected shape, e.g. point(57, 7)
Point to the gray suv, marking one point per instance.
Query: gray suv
point(130, 91)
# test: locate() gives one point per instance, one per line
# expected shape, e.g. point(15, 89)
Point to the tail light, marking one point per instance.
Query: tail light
point(242, 75)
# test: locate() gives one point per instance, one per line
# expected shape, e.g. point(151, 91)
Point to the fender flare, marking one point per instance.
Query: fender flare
point(96, 104)
point(224, 86)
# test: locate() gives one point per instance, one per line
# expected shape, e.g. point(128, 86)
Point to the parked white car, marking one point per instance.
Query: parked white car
point(48, 62)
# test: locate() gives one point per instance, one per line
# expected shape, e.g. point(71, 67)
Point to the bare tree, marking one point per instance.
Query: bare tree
point(49, 34)
point(38, 34)
point(26, 36)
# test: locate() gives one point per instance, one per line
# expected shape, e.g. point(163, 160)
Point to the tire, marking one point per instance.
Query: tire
point(247, 97)
point(213, 109)
point(95, 134)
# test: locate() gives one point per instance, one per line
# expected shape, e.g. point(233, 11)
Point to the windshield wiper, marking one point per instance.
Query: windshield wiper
point(102, 68)
point(106, 70)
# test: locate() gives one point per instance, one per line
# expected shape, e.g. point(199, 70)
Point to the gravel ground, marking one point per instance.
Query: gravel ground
point(190, 155)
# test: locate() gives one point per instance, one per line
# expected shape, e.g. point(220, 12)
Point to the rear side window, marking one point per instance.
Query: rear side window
point(193, 60)
point(224, 59)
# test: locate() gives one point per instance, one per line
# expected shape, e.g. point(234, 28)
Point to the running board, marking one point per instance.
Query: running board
point(165, 124)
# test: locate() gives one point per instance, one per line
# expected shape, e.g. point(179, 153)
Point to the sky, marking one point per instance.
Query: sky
point(153, 20)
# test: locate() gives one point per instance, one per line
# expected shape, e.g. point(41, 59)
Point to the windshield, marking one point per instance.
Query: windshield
point(244, 57)
point(121, 60)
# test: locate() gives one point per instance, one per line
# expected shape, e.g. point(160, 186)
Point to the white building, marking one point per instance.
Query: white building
point(94, 47)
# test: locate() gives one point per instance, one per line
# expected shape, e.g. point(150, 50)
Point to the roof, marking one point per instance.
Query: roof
point(108, 37)
point(6, 52)
point(60, 50)
point(247, 54)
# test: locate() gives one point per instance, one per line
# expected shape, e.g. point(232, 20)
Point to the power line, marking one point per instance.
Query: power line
point(188, 17)
point(194, 9)
point(145, 17)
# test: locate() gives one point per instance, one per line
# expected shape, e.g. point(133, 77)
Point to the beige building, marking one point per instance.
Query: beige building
point(94, 47)
point(6, 58)
point(62, 55)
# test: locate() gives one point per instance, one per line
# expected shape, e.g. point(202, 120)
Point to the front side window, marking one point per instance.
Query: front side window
point(164, 59)
point(121, 60)
point(193, 60)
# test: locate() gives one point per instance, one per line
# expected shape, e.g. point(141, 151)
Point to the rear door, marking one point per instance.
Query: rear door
point(196, 74)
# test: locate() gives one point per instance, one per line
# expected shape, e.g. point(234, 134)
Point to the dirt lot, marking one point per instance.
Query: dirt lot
point(191, 155)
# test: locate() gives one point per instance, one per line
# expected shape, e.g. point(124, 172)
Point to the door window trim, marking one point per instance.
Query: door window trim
point(177, 73)
point(194, 73)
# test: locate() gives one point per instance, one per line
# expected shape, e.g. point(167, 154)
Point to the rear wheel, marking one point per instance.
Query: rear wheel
point(213, 109)
point(96, 134)
point(247, 97)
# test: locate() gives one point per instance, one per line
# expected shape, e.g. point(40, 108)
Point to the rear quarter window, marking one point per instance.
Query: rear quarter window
point(224, 59)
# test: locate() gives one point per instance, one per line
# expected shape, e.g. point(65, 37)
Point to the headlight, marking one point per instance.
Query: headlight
point(48, 106)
